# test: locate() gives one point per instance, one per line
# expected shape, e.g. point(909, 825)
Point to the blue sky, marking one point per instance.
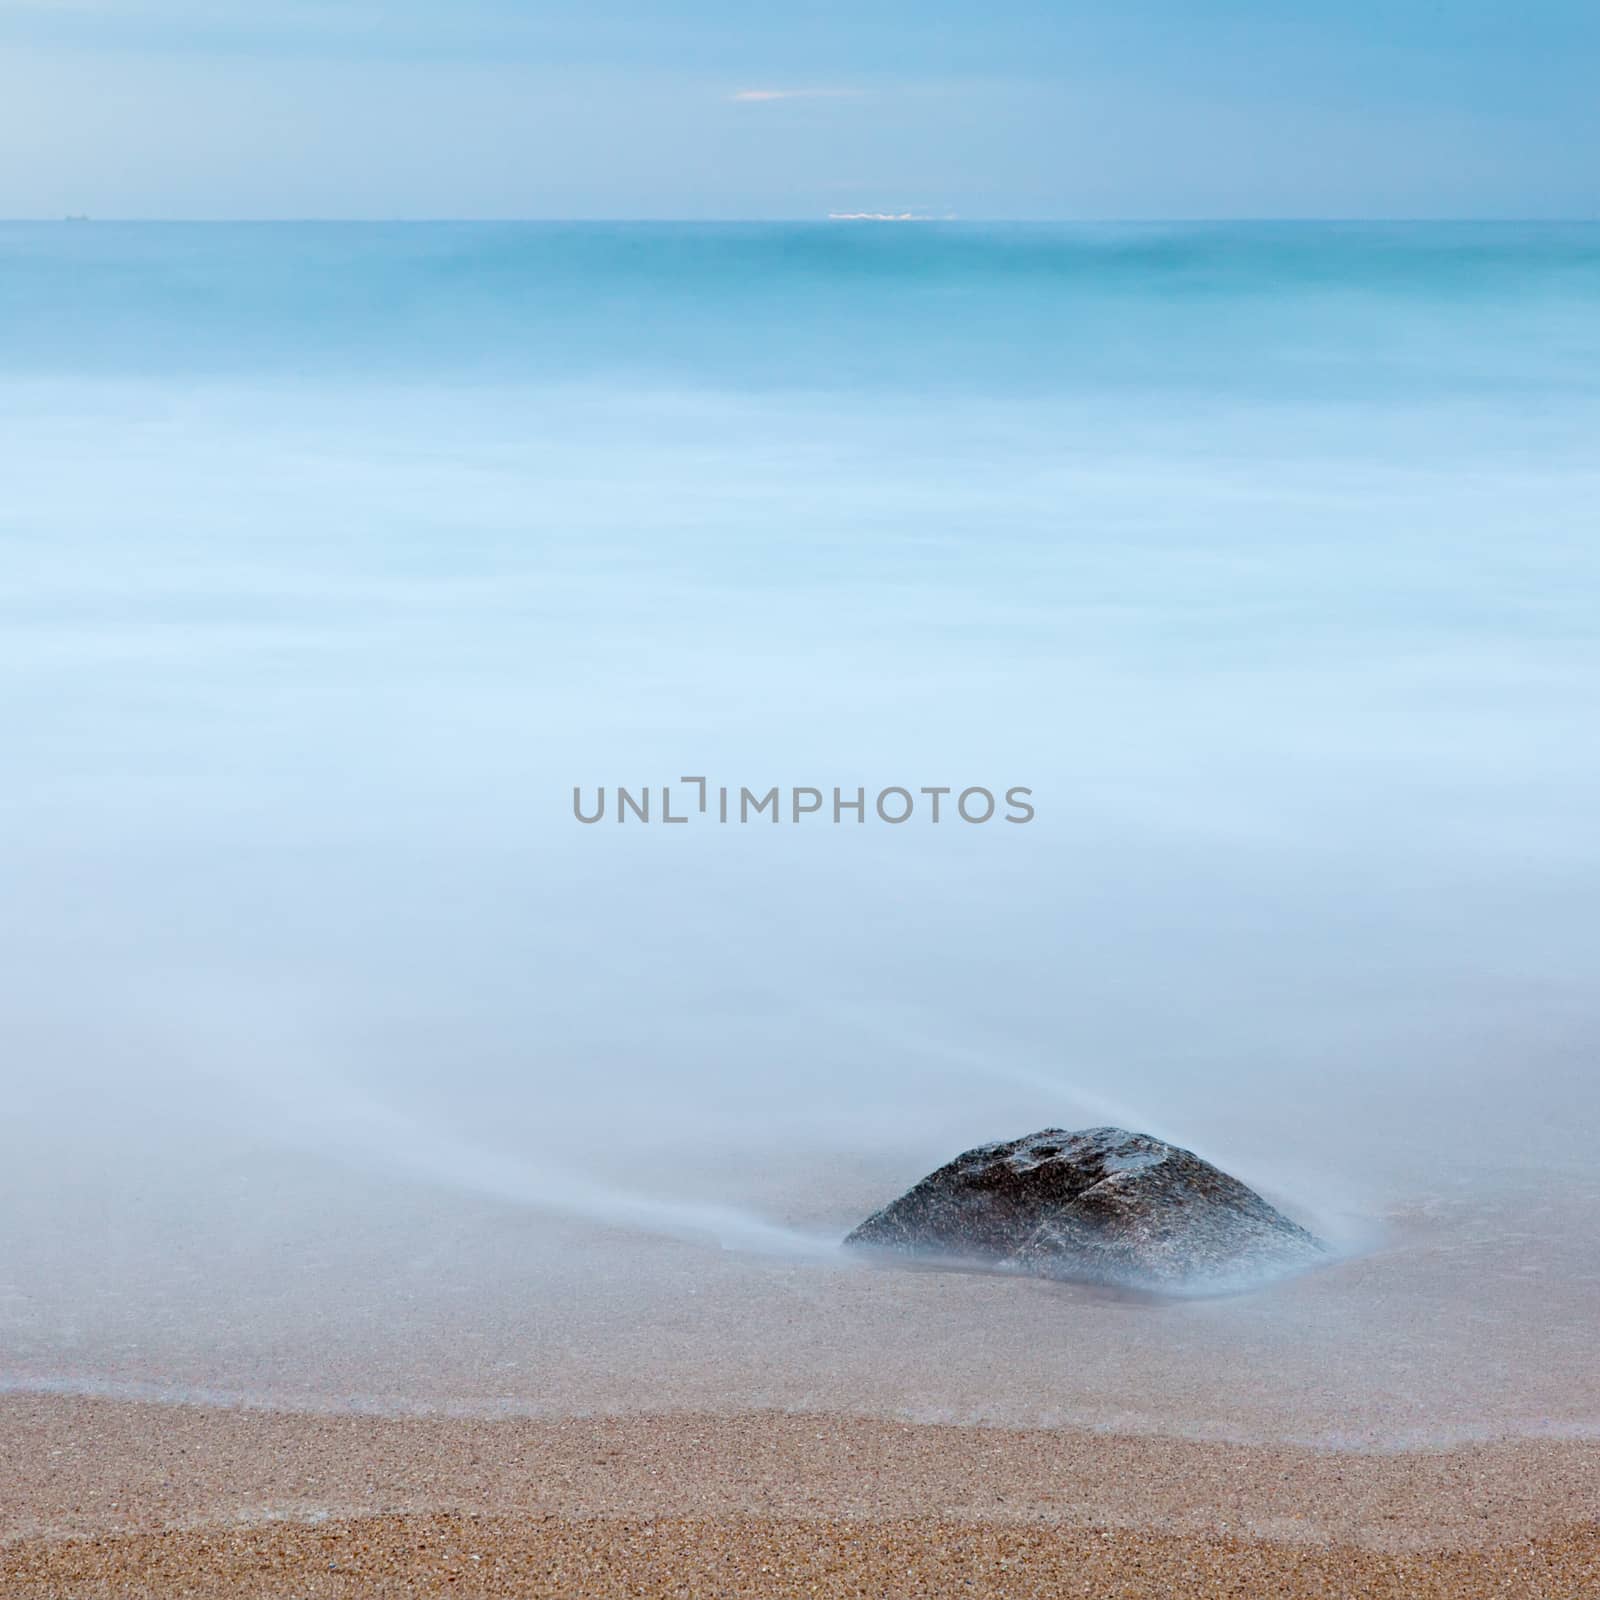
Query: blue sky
point(1020, 108)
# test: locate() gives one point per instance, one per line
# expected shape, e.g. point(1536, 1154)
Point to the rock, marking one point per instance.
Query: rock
point(1099, 1206)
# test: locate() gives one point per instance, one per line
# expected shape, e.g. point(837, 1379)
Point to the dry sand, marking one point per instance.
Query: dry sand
point(559, 1557)
point(106, 1497)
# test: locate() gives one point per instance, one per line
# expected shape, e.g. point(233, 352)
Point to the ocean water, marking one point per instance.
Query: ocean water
point(333, 558)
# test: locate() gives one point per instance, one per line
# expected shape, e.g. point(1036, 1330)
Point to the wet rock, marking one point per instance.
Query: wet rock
point(1101, 1206)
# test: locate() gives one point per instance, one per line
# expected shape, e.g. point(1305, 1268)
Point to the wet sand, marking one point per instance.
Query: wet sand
point(104, 1497)
point(1472, 1319)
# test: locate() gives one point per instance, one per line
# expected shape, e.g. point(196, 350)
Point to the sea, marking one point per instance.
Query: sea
point(1025, 675)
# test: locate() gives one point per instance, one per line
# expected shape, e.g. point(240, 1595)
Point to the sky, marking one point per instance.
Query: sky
point(716, 109)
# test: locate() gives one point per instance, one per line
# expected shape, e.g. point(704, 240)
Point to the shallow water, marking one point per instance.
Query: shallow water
point(1472, 1318)
point(343, 1065)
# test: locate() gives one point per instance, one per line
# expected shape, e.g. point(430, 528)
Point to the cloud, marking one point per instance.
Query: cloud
point(750, 96)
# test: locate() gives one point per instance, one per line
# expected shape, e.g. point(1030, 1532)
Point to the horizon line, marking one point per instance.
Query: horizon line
point(834, 219)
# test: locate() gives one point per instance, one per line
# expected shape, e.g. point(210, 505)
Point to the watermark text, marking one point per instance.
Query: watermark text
point(697, 798)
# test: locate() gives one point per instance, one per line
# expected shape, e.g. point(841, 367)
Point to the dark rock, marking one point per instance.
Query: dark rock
point(1100, 1206)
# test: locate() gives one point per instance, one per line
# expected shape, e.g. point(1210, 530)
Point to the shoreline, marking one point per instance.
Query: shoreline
point(104, 1499)
point(74, 1468)
point(395, 1408)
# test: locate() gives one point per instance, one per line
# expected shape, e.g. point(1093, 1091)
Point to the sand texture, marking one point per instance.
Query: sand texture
point(102, 1497)
point(559, 1558)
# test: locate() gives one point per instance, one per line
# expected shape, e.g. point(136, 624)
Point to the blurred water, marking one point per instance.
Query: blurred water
point(331, 558)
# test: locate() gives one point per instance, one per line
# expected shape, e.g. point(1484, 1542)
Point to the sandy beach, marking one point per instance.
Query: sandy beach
point(103, 1497)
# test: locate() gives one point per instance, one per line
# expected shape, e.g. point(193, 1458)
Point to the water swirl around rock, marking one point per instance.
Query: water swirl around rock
point(1100, 1206)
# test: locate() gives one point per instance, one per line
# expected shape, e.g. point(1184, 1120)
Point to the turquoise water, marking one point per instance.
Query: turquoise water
point(1375, 312)
point(335, 556)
